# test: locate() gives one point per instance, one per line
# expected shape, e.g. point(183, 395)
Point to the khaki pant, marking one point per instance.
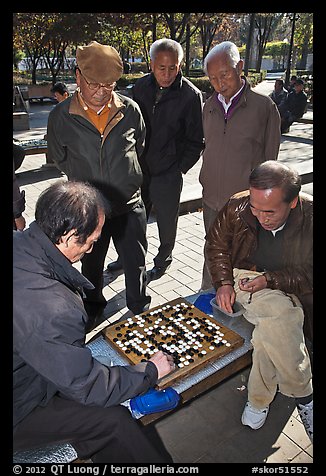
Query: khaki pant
point(280, 357)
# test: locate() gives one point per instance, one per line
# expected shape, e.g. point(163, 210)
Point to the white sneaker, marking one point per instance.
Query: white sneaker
point(306, 415)
point(254, 417)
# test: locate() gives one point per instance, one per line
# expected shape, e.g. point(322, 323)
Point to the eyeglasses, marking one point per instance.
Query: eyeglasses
point(96, 86)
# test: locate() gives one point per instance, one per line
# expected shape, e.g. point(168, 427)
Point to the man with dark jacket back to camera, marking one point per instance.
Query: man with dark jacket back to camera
point(60, 392)
point(97, 136)
point(172, 109)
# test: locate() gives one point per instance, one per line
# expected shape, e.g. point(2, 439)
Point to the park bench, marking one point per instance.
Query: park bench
point(39, 92)
point(20, 121)
point(33, 146)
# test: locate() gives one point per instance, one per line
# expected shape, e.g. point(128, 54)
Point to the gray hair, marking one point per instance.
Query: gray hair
point(225, 47)
point(166, 44)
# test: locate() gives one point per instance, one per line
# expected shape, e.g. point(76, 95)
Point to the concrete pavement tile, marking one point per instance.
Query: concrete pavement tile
point(286, 451)
point(196, 239)
point(163, 288)
point(256, 446)
point(195, 286)
point(193, 256)
point(294, 430)
point(192, 271)
point(183, 291)
point(169, 296)
point(302, 458)
point(181, 276)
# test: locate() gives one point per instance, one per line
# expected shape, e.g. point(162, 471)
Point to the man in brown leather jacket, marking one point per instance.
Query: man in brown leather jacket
point(259, 252)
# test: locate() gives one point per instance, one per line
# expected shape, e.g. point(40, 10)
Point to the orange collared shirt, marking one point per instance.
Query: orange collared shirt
point(99, 119)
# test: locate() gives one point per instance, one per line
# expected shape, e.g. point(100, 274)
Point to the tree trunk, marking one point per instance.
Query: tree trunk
point(288, 69)
point(154, 26)
point(187, 49)
point(249, 41)
point(304, 55)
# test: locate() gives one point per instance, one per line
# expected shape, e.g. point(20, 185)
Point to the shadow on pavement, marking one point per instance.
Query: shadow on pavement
point(38, 175)
point(301, 140)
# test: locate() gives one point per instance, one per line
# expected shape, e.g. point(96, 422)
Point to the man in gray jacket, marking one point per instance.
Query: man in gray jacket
point(97, 136)
point(241, 128)
point(60, 392)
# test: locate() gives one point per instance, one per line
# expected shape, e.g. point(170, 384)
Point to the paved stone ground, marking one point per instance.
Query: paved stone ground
point(208, 429)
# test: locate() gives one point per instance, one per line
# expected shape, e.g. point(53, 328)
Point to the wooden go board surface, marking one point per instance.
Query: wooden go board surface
point(177, 328)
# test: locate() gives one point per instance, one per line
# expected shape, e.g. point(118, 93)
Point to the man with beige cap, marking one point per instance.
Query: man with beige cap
point(97, 136)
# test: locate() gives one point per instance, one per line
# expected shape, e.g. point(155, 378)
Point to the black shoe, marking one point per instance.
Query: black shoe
point(95, 312)
point(157, 272)
point(115, 266)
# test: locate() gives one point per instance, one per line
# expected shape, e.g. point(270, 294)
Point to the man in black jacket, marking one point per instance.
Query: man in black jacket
point(294, 107)
point(60, 392)
point(172, 109)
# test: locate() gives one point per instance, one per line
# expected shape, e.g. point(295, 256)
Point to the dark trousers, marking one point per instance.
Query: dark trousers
point(128, 232)
point(162, 193)
point(106, 435)
point(19, 155)
point(287, 119)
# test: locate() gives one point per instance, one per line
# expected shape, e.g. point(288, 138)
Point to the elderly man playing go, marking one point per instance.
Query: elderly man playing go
point(259, 252)
point(60, 392)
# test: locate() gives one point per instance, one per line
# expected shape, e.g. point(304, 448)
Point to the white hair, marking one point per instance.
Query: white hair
point(225, 47)
point(166, 44)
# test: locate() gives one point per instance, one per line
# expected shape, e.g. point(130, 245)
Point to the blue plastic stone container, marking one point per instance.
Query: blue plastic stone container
point(203, 303)
point(154, 401)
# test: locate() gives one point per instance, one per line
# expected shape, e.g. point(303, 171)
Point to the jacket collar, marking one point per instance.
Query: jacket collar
point(62, 268)
point(76, 108)
point(174, 86)
point(242, 102)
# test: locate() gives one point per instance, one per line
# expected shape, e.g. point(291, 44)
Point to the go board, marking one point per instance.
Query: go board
point(177, 328)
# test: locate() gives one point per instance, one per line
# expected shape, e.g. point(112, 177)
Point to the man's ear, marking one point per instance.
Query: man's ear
point(239, 67)
point(77, 77)
point(65, 238)
point(294, 202)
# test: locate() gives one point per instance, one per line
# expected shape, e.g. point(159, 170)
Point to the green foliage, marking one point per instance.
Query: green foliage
point(127, 79)
point(203, 84)
point(196, 72)
point(140, 67)
point(256, 78)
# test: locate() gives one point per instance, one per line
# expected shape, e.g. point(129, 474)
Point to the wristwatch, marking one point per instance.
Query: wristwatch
point(225, 282)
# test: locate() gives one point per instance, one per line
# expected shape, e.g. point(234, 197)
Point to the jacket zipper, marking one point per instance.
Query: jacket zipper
point(225, 123)
point(102, 143)
point(101, 148)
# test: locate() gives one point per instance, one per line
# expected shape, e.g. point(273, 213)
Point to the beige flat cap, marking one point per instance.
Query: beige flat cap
point(99, 63)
